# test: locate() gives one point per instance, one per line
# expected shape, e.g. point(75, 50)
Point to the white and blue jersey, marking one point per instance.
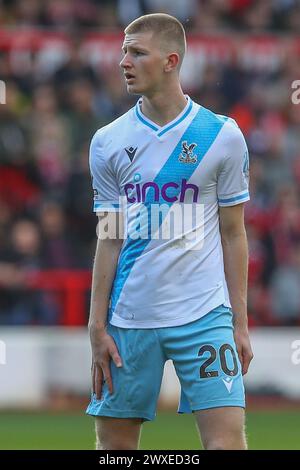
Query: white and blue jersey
point(199, 159)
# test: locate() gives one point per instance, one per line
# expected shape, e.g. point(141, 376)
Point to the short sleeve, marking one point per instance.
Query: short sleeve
point(233, 177)
point(105, 187)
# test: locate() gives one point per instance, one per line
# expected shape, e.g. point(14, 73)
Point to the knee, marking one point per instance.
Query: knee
point(216, 446)
point(117, 434)
point(115, 443)
point(226, 444)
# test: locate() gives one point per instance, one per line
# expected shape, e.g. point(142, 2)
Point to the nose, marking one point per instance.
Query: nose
point(125, 62)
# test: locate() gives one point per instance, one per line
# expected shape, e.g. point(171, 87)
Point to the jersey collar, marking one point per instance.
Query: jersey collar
point(170, 125)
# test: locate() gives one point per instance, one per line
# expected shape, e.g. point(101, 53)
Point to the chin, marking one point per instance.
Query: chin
point(133, 90)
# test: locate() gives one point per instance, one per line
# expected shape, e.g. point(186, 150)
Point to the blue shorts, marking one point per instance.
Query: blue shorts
point(204, 357)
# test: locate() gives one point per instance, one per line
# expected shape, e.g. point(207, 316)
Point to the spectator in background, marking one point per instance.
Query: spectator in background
point(291, 137)
point(210, 15)
point(74, 70)
point(66, 14)
point(19, 305)
point(18, 188)
point(286, 223)
point(28, 13)
point(60, 248)
point(5, 224)
point(285, 292)
point(49, 138)
point(184, 11)
point(291, 21)
point(257, 17)
point(13, 141)
point(209, 92)
point(81, 118)
point(109, 101)
point(257, 256)
point(128, 10)
point(81, 222)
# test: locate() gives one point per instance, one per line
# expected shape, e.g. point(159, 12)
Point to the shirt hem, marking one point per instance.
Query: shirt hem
point(165, 323)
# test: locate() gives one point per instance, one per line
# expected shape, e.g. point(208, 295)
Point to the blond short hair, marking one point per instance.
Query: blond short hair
point(165, 27)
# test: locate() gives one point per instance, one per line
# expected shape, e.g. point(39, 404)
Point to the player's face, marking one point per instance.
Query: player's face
point(143, 64)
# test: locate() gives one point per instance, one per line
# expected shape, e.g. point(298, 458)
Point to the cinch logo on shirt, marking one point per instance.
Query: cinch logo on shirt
point(166, 192)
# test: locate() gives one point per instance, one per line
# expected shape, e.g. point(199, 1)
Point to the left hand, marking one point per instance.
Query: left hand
point(243, 346)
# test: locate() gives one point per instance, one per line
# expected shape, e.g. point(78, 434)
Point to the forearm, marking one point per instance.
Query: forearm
point(105, 264)
point(235, 253)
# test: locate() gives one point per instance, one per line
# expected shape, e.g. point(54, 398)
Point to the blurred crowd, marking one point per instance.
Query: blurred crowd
point(243, 15)
point(46, 219)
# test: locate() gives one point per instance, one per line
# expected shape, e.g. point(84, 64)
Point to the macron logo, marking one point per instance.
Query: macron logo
point(131, 152)
point(228, 384)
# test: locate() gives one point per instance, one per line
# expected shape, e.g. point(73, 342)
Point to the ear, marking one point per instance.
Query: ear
point(172, 62)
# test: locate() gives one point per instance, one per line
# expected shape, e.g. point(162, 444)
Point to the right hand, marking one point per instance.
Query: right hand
point(103, 350)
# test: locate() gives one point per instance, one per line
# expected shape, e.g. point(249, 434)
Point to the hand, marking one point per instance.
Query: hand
point(103, 350)
point(243, 346)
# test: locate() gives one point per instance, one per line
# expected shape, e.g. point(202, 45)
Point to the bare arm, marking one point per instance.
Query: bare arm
point(105, 264)
point(235, 253)
point(103, 345)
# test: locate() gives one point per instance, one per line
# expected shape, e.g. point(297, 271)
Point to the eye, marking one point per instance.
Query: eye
point(138, 53)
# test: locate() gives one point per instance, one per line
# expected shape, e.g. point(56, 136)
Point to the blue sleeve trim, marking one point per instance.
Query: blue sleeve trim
point(234, 199)
point(108, 206)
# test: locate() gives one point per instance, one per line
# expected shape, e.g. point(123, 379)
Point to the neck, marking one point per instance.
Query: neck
point(163, 107)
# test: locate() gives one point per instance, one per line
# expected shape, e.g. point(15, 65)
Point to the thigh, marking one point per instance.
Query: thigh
point(137, 383)
point(117, 434)
point(206, 362)
point(222, 428)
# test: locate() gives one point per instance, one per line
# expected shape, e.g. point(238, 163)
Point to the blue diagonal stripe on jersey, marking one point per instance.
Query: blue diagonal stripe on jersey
point(203, 131)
